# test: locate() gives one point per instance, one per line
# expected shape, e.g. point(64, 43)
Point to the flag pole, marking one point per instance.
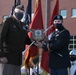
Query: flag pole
point(46, 12)
point(28, 20)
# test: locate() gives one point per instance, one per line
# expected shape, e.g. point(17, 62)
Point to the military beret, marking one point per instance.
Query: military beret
point(21, 7)
point(58, 17)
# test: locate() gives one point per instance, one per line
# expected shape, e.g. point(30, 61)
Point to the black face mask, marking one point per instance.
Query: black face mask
point(19, 15)
point(58, 26)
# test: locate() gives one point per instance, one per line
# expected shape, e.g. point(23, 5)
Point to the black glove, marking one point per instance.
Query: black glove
point(44, 46)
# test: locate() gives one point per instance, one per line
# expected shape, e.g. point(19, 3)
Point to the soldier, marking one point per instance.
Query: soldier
point(59, 60)
point(13, 39)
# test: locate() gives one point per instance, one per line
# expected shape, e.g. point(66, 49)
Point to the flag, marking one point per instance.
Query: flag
point(27, 19)
point(28, 13)
point(32, 54)
point(55, 12)
point(19, 2)
point(44, 53)
point(44, 60)
point(13, 7)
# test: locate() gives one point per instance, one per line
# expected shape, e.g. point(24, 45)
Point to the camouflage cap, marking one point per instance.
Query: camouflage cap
point(21, 7)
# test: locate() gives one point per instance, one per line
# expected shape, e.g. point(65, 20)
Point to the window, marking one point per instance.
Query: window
point(63, 13)
point(72, 44)
point(73, 12)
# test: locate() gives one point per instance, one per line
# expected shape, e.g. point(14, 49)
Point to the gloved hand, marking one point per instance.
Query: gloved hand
point(38, 44)
point(44, 46)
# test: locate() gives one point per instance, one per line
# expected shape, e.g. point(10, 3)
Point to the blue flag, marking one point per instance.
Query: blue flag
point(28, 13)
point(13, 7)
point(19, 2)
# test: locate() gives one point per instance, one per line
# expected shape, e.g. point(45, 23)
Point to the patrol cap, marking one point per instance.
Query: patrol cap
point(58, 17)
point(21, 7)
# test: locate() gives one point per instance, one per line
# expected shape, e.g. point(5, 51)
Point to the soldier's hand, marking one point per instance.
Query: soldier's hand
point(48, 47)
point(38, 44)
point(45, 38)
point(3, 60)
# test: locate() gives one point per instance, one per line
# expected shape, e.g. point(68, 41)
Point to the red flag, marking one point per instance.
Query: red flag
point(45, 56)
point(31, 56)
point(55, 12)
